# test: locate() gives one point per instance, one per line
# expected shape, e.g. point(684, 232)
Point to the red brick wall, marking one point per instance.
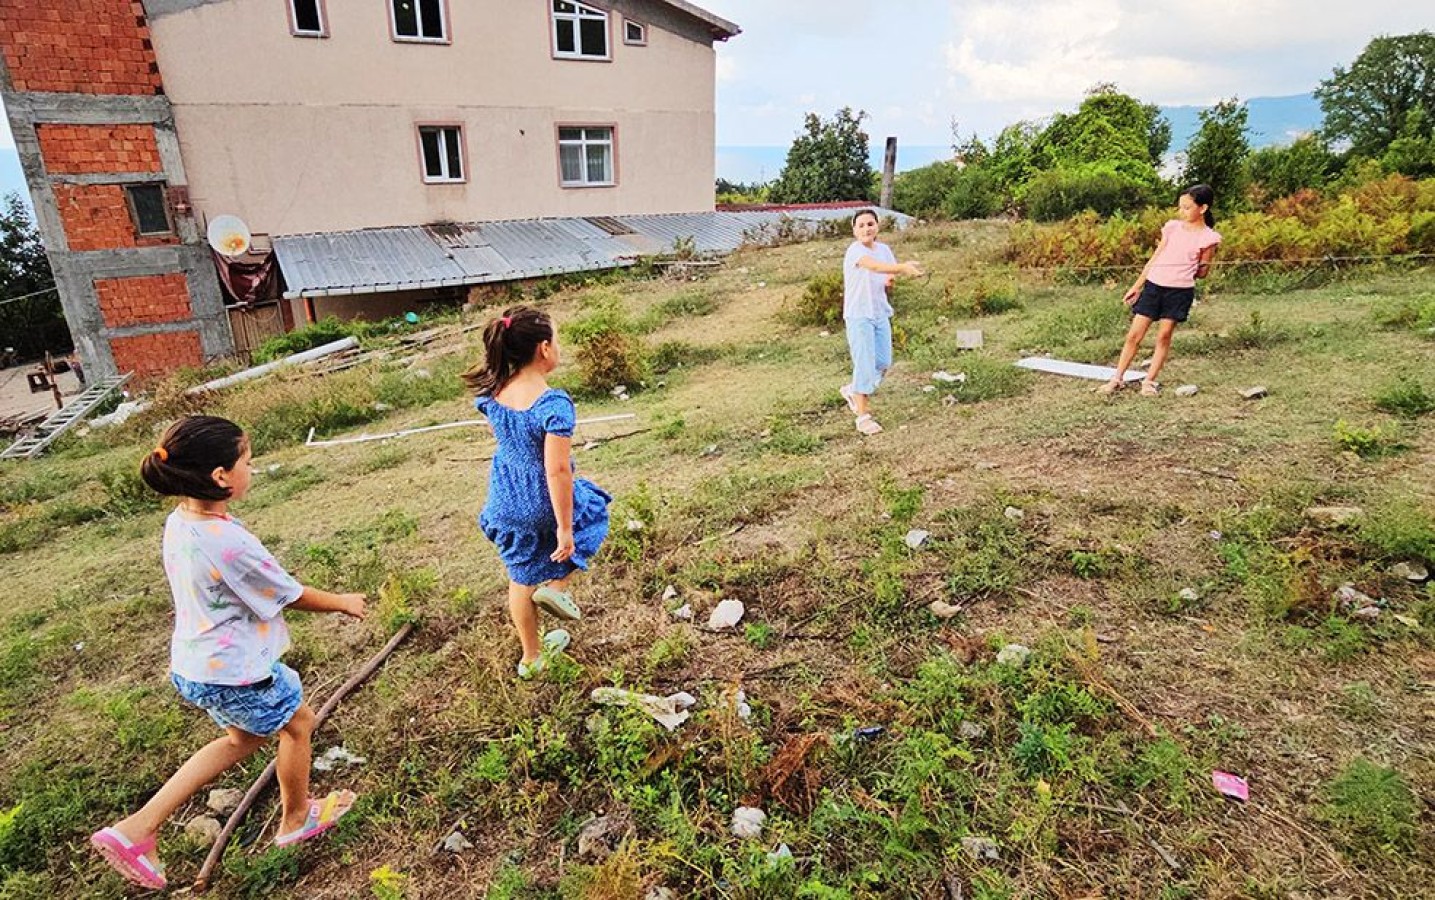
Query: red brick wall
point(143, 300)
point(80, 149)
point(150, 356)
point(79, 46)
point(96, 217)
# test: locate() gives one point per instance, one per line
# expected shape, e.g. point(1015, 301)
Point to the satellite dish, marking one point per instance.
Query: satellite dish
point(228, 235)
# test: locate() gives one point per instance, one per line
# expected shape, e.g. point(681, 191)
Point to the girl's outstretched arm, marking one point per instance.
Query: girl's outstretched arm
point(558, 468)
point(910, 267)
point(315, 600)
point(1135, 290)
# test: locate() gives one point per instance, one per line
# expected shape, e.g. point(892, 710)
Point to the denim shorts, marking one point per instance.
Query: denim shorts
point(262, 708)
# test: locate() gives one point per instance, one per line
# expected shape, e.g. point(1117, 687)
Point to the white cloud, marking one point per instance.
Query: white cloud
point(1048, 52)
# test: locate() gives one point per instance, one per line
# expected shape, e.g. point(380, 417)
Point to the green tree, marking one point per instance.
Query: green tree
point(1281, 171)
point(31, 320)
point(1370, 103)
point(1217, 154)
point(1412, 152)
point(922, 192)
point(827, 162)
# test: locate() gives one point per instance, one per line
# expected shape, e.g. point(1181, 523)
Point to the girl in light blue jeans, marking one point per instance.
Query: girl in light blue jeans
point(868, 269)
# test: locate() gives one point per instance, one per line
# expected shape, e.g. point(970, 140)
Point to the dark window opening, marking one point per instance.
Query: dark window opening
point(148, 209)
point(442, 152)
point(307, 19)
point(635, 33)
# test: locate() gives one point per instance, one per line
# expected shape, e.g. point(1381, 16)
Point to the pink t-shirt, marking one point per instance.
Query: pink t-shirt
point(1175, 265)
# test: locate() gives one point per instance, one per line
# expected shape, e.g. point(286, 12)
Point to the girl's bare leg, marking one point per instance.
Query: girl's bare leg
point(525, 618)
point(1165, 328)
point(207, 764)
point(292, 769)
point(1134, 336)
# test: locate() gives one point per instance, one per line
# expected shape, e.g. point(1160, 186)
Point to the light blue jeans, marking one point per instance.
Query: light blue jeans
point(870, 342)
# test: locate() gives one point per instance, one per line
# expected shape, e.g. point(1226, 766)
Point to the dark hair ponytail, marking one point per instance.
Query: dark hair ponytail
point(184, 462)
point(509, 343)
point(1202, 195)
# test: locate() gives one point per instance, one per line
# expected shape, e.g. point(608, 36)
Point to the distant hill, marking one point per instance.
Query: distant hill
point(1273, 120)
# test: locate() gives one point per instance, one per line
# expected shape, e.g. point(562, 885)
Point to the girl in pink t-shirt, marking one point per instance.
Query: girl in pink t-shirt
point(1166, 287)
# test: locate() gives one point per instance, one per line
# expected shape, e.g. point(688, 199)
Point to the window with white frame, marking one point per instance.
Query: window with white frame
point(635, 33)
point(419, 20)
point(579, 32)
point(585, 156)
point(306, 18)
point(442, 149)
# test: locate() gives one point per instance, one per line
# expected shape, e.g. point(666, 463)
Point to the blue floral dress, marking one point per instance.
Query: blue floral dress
point(518, 517)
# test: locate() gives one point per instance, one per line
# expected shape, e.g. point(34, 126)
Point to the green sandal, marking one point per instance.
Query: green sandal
point(556, 603)
point(554, 643)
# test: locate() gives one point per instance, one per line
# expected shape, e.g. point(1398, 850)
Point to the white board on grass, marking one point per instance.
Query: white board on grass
point(1074, 369)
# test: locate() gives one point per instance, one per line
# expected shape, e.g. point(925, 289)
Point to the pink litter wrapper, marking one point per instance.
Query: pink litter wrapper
point(1231, 785)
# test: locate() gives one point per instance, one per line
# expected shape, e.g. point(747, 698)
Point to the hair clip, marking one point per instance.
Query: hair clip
point(162, 453)
point(507, 321)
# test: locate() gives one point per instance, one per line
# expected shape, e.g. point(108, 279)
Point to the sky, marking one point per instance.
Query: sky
point(914, 65)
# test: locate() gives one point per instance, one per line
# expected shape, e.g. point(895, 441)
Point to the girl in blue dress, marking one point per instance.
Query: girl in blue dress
point(545, 522)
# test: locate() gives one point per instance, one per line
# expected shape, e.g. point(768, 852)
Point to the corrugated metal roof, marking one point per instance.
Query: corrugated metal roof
point(452, 254)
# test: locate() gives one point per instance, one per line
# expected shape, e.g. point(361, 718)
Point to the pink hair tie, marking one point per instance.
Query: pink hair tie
point(507, 321)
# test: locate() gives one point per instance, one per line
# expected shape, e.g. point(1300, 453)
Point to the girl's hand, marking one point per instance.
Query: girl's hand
point(565, 545)
point(1131, 294)
point(352, 605)
point(890, 280)
point(913, 268)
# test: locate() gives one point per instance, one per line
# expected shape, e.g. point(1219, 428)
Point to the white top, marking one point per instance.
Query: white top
point(229, 596)
point(864, 292)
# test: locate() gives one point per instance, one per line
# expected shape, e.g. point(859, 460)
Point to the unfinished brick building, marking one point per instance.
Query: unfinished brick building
point(97, 143)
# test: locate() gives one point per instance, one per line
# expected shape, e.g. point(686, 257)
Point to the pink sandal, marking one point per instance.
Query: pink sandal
point(868, 425)
point(323, 815)
point(132, 861)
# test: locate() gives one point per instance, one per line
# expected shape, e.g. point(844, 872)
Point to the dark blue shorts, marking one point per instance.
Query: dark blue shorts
point(1158, 302)
point(262, 708)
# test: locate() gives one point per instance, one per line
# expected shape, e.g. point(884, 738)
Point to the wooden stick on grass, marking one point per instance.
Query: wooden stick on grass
point(201, 882)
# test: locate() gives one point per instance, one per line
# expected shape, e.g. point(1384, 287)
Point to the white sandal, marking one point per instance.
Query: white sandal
point(868, 425)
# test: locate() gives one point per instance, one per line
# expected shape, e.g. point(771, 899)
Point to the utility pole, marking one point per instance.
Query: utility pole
point(889, 171)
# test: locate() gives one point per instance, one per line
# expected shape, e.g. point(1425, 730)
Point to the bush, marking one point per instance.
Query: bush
point(1062, 193)
point(1373, 808)
point(982, 295)
point(1367, 443)
point(1406, 398)
point(976, 193)
point(821, 301)
point(307, 337)
point(1399, 530)
point(609, 353)
point(923, 192)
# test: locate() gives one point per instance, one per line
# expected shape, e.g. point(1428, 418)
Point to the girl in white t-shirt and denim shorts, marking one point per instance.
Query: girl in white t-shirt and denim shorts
point(1166, 287)
point(868, 268)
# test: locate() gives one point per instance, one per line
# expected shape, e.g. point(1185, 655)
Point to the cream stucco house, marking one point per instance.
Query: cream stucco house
point(323, 115)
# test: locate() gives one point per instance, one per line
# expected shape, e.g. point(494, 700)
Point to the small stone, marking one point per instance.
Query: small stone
point(971, 731)
point(824, 334)
point(204, 829)
point(949, 400)
point(456, 843)
point(1187, 390)
point(781, 853)
point(949, 378)
point(381, 406)
point(1367, 613)
point(595, 840)
point(1407, 621)
point(983, 466)
point(634, 525)
point(1410, 571)
point(337, 757)
point(1254, 393)
point(1013, 655)
point(943, 610)
point(916, 538)
point(747, 822)
point(1334, 515)
point(929, 388)
point(981, 848)
point(762, 284)
point(1349, 596)
point(660, 893)
point(79, 646)
point(683, 613)
point(710, 450)
point(619, 390)
point(670, 593)
point(726, 614)
point(1014, 514)
point(1190, 595)
point(969, 340)
point(224, 800)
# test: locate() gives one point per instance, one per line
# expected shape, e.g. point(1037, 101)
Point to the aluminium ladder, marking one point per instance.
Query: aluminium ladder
point(62, 420)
